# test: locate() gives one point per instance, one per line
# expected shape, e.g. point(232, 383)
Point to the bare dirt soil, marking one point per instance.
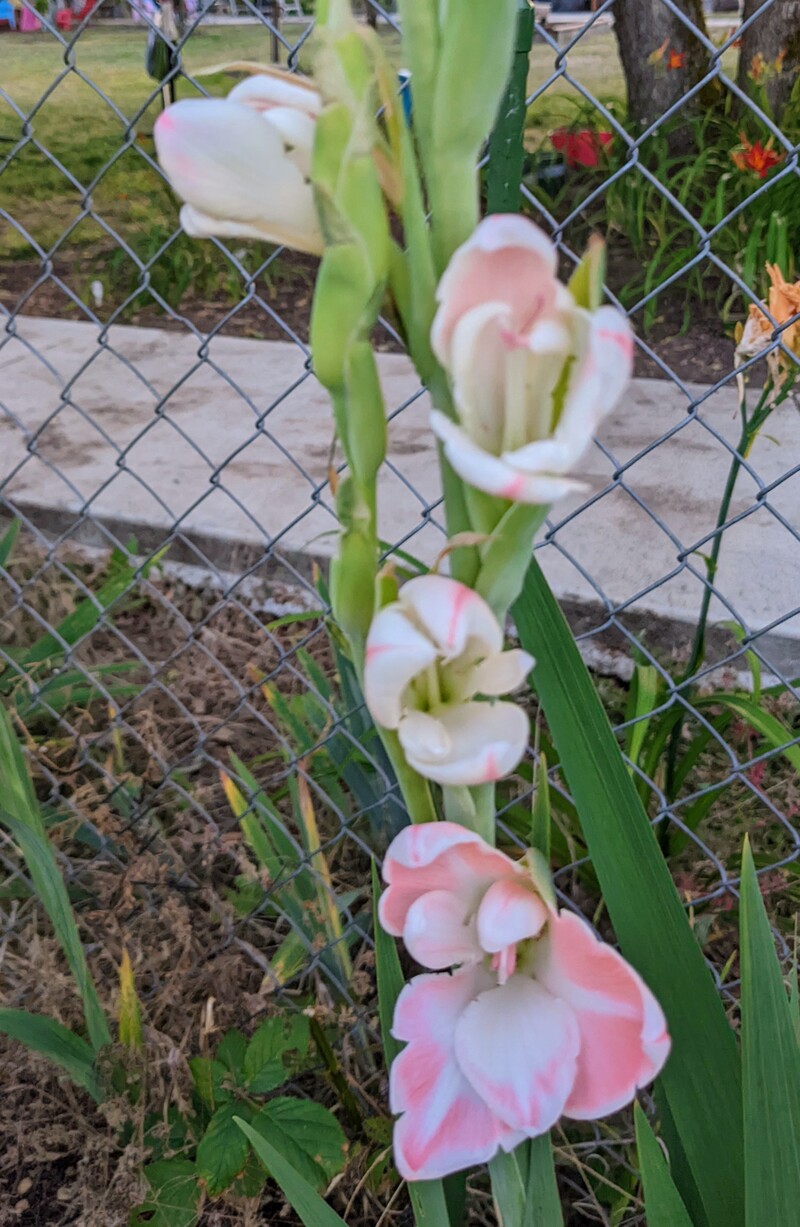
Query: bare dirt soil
point(279, 308)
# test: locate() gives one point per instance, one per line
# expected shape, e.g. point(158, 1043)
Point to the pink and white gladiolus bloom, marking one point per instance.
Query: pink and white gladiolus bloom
point(243, 163)
point(532, 373)
point(540, 1019)
point(428, 655)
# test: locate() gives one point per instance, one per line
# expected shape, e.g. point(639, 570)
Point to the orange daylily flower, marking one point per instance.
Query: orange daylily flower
point(675, 59)
point(765, 70)
point(783, 304)
point(755, 157)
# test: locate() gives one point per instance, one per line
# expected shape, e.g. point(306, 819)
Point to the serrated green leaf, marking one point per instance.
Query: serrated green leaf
point(771, 1068)
point(251, 1181)
point(265, 1067)
point(222, 1150)
point(312, 1210)
point(200, 1068)
point(176, 1193)
point(662, 1202)
point(306, 1134)
point(271, 1075)
point(702, 1078)
point(231, 1053)
point(56, 1042)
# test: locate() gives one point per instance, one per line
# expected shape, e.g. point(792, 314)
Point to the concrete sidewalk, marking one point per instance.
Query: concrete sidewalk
point(225, 447)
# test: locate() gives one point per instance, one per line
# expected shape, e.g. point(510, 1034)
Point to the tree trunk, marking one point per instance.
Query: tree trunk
point(644, 27)
point(775, 36)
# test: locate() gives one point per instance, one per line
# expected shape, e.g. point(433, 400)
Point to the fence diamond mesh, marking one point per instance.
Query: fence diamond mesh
point(169, 458)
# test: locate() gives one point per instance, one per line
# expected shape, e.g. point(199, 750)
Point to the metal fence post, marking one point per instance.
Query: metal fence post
point(506, 149)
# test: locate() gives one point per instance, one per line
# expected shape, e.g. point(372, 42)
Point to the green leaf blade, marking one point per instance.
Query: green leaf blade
point(306, 1134)
point(21, 814)
point(303, 1198)
point(175, 1195)
point(771, 1069)
point(222, 1151)
point(56, 1042)
point(662, 1201)
point(702, 1079)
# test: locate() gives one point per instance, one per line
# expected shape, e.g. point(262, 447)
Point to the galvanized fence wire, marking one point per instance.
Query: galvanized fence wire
point(196, 590)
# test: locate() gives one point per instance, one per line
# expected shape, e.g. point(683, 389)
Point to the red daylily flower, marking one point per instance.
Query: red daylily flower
point(582, 148)
point(755, 157)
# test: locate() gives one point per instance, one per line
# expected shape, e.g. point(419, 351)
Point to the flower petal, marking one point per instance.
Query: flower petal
point(396, 652)
point(296, 130)
point(501, 673)
point(453, 615)
point(438, 931)
point(624, 1040)
point(445, 1126)
point(277, 88)
point(611, 348)
point(485, 741)
point(228, 164)
point(518, 1047)
point(495, 475)
point(510, 912)
point(438, 856)
point(506, 259)
point(478, 373)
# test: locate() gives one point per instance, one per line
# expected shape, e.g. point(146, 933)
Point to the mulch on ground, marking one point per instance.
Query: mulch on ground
point(279, 308)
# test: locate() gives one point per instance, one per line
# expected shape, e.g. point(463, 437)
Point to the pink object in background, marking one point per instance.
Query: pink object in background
point(28, 21)
point(541, 1018)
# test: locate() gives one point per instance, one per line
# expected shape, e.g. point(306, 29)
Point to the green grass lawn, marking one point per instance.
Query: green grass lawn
point(102, 152)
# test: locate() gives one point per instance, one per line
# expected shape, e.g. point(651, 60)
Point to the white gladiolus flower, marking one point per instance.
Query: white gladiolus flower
point(242, 163)
point(533, 374)
point(428, 655)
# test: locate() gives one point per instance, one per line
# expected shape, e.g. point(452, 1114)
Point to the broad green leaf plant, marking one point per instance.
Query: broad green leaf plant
point(524, 1016)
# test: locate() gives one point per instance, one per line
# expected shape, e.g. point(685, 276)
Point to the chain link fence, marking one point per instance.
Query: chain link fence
point(157, 401)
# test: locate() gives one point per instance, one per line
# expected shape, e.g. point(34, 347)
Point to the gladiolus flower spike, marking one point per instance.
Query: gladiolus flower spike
point(540, 1019)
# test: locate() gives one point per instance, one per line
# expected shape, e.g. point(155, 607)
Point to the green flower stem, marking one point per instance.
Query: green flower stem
point(454, 203)
point(483, 796)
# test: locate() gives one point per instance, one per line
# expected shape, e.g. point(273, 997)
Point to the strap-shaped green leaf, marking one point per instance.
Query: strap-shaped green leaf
point(56, 1042)
point(702, 1079)
point(770, 1069)
point(19, 813)
point(662, 1201)
point(308, 1204)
